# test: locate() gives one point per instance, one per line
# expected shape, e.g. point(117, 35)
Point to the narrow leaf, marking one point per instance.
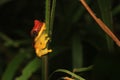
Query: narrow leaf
point(29, 69)
point(77, 53)
point(83, 69)
point(105, 9)
point(13, 66)
point(68, 72)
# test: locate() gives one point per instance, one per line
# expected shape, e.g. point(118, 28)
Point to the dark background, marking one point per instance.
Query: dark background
point(17, 19)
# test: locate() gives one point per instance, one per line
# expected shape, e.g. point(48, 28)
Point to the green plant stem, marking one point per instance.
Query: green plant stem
point(49, 18)
point(45, 58)
point(52, 16)
point(47, 15)
point(105, 9)
point(45, 67)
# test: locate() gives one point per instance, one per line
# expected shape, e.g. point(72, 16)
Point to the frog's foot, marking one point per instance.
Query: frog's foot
point(43, 52)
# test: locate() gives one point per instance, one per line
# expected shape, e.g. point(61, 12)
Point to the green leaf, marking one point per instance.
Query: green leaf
point(83, 69)
point(116, 10)
point(68, 72)
point(29, 69)
point(13, 66)
point(78, 13)
point(105, 9)
point(4, 1)
point(77, 52)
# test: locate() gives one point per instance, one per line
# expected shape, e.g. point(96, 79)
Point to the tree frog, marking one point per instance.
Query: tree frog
point(40, 38)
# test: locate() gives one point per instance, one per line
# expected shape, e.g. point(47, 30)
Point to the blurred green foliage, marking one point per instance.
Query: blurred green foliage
point(77, 41)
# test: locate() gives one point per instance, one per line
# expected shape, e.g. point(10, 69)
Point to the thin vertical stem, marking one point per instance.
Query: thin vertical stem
point(49, 18)
point(45, 67)
point(52, 16)
point(77, 52)
point(47, 15)
point(45, 58)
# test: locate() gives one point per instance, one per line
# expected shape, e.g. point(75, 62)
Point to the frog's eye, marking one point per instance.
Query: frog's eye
point(34, 34)
point(36, 28)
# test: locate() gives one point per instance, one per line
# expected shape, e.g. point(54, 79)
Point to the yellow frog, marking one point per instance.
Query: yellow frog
point(41, 38)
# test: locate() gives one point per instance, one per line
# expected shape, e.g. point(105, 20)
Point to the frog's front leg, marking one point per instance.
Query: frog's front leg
point(47, 39)
point(44, 40)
